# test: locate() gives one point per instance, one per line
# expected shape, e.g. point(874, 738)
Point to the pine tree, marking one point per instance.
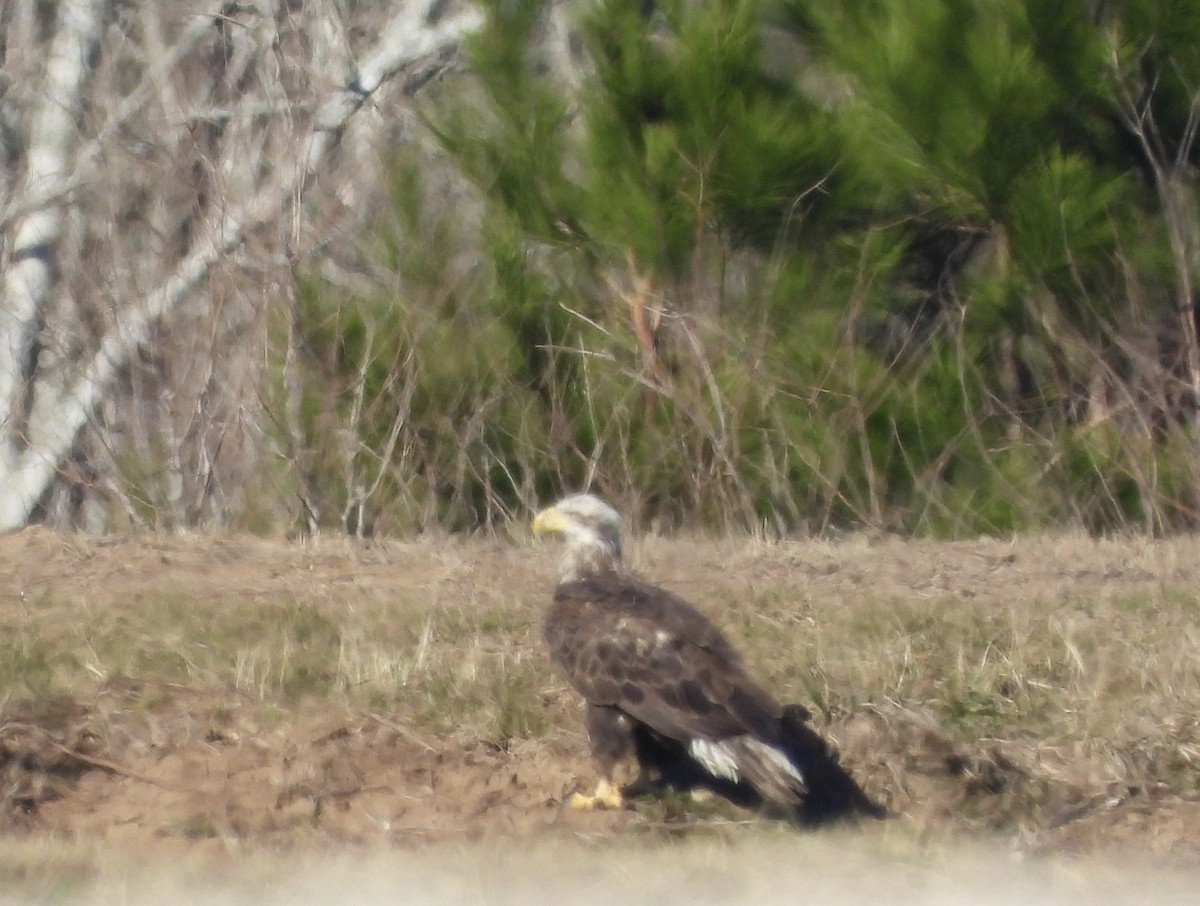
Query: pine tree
point(858, 262)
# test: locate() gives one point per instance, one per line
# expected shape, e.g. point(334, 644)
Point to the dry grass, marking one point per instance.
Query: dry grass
point(226, 691)
point(275, 642)
point(1068, 641)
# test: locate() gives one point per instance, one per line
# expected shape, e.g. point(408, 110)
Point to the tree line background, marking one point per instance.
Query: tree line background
point(749, 264)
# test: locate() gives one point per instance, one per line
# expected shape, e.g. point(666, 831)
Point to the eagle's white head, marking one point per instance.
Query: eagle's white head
point(592, 530)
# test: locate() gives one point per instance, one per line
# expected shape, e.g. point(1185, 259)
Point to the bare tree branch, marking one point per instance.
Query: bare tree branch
point(56, 419)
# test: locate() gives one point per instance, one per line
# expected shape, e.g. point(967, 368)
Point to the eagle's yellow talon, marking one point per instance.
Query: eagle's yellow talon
point(581, 803)
point(606, 796)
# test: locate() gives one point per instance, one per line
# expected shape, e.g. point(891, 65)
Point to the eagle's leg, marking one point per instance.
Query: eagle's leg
point(611, 735)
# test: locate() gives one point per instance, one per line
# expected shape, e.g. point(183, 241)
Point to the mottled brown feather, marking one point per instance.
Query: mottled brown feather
point(623, 643)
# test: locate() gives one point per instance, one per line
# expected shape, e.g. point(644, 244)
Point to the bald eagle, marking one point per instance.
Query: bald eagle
point(664, 686)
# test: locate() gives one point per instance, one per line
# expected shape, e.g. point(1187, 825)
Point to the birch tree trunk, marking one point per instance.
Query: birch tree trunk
point(172, 164)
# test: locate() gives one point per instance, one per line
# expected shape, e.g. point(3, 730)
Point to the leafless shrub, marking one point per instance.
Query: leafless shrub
point(166, 168)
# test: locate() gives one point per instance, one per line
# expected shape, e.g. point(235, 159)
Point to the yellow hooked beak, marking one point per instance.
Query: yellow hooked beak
point(548, 520)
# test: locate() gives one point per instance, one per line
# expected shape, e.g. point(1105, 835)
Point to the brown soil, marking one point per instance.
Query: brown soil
point(149, 768)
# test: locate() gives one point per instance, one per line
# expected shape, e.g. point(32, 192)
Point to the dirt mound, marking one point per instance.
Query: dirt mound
point(317, 780)
point(910, 764)
point(45, 747)
point(232, 693)
point(364, 781)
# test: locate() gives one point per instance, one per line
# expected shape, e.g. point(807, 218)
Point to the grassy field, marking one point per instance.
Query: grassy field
point(170, 701)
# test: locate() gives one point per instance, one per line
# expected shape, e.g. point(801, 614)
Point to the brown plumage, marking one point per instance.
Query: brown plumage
point(662, 684)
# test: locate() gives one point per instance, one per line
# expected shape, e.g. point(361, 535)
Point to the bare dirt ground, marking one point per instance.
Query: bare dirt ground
point(168, 701)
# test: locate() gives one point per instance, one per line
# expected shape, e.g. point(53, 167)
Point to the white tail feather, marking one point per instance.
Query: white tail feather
point(775, 758)
point(718, 759)
point(744, 757)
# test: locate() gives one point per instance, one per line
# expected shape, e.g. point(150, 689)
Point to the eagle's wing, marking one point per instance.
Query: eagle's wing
point(626, 644)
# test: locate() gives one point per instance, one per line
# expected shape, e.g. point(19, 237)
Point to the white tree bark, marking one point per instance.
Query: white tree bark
point(42, 415)
point(29, 278)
